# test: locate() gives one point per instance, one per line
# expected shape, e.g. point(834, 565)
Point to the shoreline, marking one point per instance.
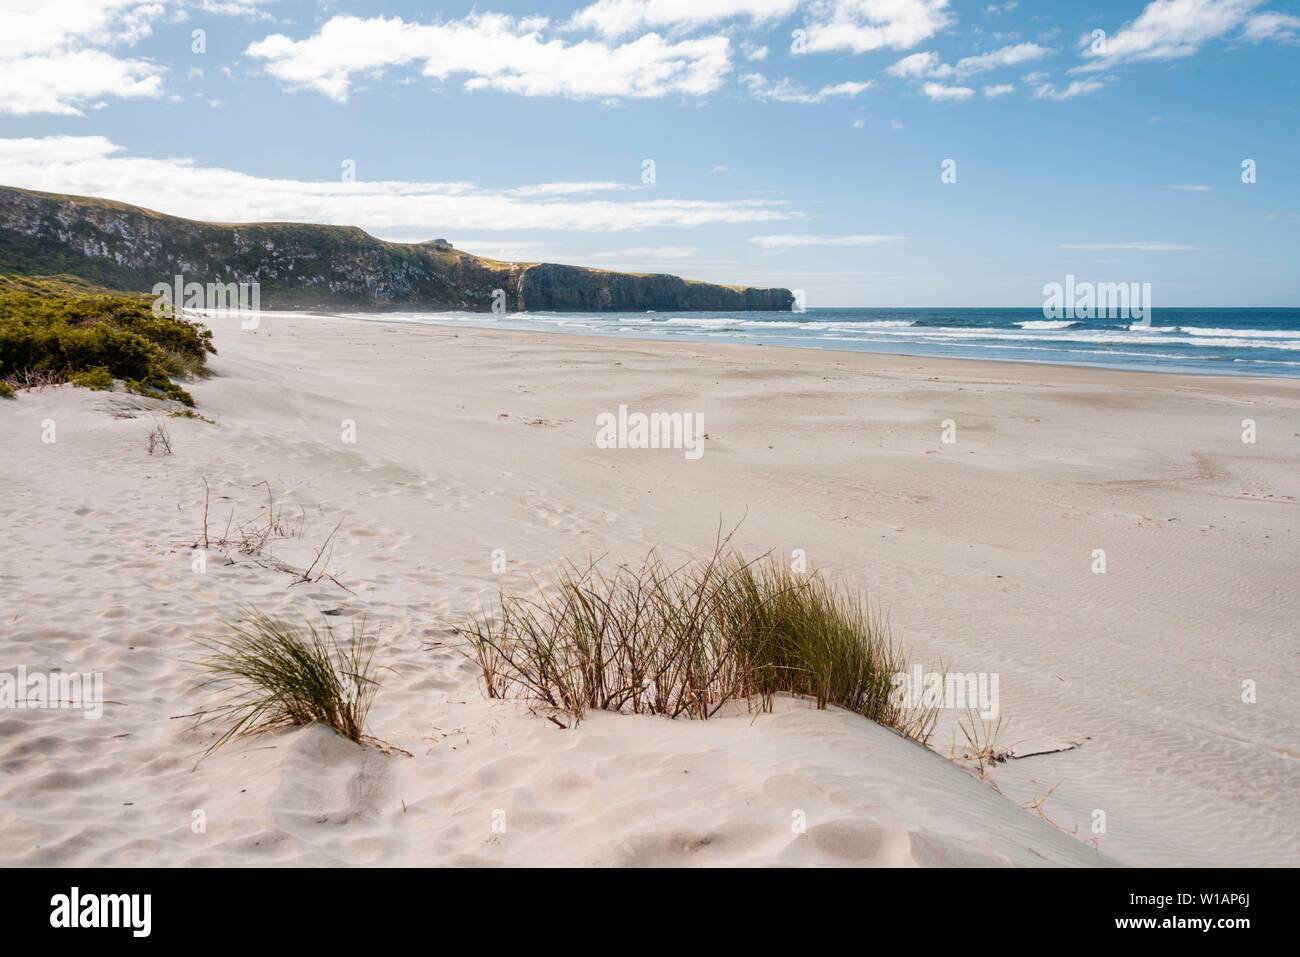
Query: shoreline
point(1007, 367)
point(686, 340)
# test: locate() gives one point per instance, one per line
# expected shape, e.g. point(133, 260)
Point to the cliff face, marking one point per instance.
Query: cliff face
point(571, 288)
point(306, 266)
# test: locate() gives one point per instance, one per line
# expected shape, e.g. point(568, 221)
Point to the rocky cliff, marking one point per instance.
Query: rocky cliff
point(306, 266)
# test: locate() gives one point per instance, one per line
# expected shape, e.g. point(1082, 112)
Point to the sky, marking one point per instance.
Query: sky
point(866, 152)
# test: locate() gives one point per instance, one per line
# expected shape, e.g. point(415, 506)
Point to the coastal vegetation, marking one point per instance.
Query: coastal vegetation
point(62, 329)
point(684, 640)
point(269, 674)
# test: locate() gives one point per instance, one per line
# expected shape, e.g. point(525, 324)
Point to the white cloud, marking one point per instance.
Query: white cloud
point(236, 8)
point(1168, 30)
point(1000, 89)
point(786, 91)
point(1049, 91)
point(756, 54)
point(847, 88)
point(65, 83)
point(569, 189)
point(864, 25)
point(1193, 188)
point(29, 27)
point(93, 166)
point(617, 18)
point(939, 92)
point(60, 56)
point(1146, 247)
point(928, 64)
point(1005, 56)
point(1271, 26)
point(790, 240)
point(495, 52)
point(53, 57)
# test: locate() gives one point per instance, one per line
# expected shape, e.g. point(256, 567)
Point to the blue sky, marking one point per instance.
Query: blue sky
point(794, 144)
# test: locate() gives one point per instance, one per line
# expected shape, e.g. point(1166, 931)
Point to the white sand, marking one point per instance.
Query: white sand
point(471, 441)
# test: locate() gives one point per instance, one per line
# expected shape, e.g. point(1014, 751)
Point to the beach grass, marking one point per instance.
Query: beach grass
point(270, 674)
point(684, 640)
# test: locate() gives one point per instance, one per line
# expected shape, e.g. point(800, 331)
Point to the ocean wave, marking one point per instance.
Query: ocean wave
point(1240, 333)
point(701, 323)
point(1046, 340)
point(813, 326)
point(1099, 337)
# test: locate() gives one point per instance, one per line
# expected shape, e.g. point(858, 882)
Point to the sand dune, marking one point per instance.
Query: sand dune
point(474, 444)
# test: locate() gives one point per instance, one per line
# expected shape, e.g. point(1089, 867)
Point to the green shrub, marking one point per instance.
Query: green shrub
point(6, 390)
point(97, 379)
point(53, 330)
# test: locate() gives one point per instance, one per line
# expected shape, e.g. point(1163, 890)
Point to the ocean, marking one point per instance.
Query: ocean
point(1255, 341)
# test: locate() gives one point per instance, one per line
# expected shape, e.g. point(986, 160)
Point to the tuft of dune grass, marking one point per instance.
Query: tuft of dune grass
point(682, 641)
point(269, 674)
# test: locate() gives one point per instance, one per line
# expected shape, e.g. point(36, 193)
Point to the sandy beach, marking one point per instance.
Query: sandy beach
point(475, 448)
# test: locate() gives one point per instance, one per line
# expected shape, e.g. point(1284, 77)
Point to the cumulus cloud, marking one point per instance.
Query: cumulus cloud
point(29, 27)
point(939, 92)
point(496, 52)
point(54, 56)
point(95, 166)
point(999, 89)
point(63, 57)
point(1172, 29)
point(926, 63)
point(860, 26)
point(63, 83)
